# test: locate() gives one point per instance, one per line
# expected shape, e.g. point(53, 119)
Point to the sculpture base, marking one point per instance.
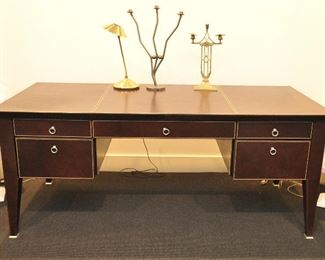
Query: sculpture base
point(205, 86)
point(156, 88)
point(126, 84)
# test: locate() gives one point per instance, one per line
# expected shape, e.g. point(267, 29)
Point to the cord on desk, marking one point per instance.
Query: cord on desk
point(292, 192)
point(147, 173)
point(29, 179)
point(2, 181)
point(289, 188)
point(150, 172)
point(148, 155)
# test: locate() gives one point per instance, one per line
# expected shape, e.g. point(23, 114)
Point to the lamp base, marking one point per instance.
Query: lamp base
point(205, 86)
point(126, 84)
point(156, 88)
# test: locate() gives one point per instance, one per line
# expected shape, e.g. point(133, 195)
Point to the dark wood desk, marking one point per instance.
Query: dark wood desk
point(55, 130)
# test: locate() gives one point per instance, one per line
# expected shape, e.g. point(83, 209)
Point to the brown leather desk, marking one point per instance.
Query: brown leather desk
point(55, 130)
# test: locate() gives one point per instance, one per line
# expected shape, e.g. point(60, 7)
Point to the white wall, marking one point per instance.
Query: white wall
point(309, 50)
point(272, 42)
point(268, 42)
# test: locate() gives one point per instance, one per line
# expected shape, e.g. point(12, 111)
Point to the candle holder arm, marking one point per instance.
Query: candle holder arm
point(155, 31)
point(166, 42)
point(139, 35)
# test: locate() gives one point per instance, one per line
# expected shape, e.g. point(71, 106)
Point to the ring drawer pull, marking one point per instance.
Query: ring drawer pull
point(273, 151)
point(165, 131)
point(54, 149)
point(52, 130)
point(275, 132)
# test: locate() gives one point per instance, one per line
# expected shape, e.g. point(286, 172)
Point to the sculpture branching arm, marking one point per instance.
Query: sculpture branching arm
point(155, 31)
point(138, 30)
point(171, 34)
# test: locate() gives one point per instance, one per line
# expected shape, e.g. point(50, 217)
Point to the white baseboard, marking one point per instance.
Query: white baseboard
point(165, 163)
point(170, 155)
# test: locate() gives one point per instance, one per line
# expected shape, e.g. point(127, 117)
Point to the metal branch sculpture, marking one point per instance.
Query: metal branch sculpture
point(155, 59)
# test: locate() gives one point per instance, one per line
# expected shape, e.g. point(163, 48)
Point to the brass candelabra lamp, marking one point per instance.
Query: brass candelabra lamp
point(206, 58)
point(155, 59)
point(126, 83)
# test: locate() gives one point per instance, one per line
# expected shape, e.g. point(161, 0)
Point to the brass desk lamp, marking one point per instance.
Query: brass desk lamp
point(126, 83)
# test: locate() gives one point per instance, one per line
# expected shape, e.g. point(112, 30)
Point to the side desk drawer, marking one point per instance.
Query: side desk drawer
point(53, 158)
point(274, 130)
point(164, 129)
point(52, 128)
point(271, 159)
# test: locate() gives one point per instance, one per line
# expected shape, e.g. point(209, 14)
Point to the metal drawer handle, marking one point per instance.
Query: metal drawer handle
point(52, 130)
point(54, 149)
point(275, 132)
point(273, 151)
point(165, 131)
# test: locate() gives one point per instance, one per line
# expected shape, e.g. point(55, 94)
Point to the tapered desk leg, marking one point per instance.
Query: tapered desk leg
point(311, 184)
point(13, 183)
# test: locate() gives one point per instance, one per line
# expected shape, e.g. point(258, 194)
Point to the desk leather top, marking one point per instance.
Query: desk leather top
point(81, 98)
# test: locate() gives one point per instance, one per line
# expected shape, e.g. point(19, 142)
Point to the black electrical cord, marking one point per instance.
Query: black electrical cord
point(150, 172)
point(295, 184)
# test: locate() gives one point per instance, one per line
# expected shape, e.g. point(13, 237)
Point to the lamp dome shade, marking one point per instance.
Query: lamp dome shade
point(116, 29)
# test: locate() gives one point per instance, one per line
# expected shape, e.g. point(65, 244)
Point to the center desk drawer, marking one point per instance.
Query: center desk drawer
point(196, 129)
point(274, 130)
point(52, 128)
point(53, 158)
point(271, 159)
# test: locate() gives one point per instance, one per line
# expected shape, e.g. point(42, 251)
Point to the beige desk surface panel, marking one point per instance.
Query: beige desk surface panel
point(177, 99)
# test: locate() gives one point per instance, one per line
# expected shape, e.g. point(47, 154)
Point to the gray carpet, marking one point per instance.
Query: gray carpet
point(178, 216)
